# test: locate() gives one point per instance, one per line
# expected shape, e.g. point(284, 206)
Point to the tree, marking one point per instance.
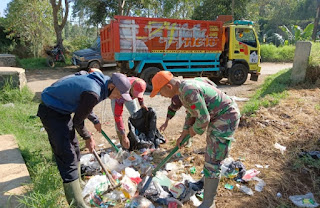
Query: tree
point(58, 12)
point(31, 22)
point(211, 9)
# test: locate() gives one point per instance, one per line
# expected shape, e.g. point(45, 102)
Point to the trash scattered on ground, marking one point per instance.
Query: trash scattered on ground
point(42, 129)
point(239, 99)
point(193, 170)
point(232, 169)
point(245, 189)
point(250, 174)
point(259, 166)
point(96, 184)
point(306, 200)
point(260, 185)
point(279, 195)
point(228, 186)
point(140, 202)
point(312, 154)
point(280, 147)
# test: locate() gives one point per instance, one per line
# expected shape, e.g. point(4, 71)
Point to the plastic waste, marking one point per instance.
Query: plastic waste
point(260, 185)
point(162, 179)
point(140, 202)
point(279, 195)
point(245, 189)
point(116, 175)
point(110, 163)
point(250, 174)
point(312, 154)
point(132, 160)
point(280, 147)
point(89, 161)
point(128, 187)
point(228, 186)
point(306, 200)
point(177, 190)
point(195, 201)
point(97, 184)
point(115, 195)
point(193, 170)
point(259, 166)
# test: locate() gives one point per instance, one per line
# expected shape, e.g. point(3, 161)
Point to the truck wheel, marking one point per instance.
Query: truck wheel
point(147, 76)
point(94, 64)
point(238, 74)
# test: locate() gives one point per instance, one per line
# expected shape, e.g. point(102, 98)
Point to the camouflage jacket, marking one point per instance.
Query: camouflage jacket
point(176, 102)
point(204, 103)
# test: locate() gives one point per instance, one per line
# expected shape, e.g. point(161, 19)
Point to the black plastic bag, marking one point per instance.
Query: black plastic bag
point(143, 132)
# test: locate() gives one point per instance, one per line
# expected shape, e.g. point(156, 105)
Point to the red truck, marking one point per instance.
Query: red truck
point(143, 46)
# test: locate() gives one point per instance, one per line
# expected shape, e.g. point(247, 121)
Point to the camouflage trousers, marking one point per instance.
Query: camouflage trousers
point(219, 137)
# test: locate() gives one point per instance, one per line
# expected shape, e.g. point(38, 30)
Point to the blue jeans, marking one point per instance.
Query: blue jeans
point(131, 106)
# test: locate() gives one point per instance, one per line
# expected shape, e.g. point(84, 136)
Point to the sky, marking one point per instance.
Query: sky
point(3, 6)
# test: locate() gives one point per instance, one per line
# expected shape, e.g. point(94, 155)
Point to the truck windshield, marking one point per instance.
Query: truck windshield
point(246, 36)
point(96, 44)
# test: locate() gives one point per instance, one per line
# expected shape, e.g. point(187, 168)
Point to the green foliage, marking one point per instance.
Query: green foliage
point(209, 10)
point(8, 94)
point(32, 63)
point(46, 189)
point(315, 55)
point(270, 93)
point(31, 21)
point(271, 53)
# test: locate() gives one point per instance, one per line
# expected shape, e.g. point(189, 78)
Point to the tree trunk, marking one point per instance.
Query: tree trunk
point(316, 21)
point(59, 27)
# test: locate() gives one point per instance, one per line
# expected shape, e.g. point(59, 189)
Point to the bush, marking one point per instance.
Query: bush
point(8, 94)
point(271, 53)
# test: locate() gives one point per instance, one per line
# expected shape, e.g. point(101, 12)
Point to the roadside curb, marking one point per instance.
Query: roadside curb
point(14, 174)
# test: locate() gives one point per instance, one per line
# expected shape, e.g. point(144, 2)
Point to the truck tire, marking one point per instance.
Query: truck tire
point(238, 74)
point(94, 64)
point(147, 76)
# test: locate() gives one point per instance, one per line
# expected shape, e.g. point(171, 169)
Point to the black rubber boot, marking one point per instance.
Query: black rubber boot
point(210, 191)
point(73, 194)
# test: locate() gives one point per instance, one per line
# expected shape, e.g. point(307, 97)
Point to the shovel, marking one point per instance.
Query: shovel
point(163, 162)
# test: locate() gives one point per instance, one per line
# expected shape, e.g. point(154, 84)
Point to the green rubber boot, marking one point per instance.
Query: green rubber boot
point(73, 194)
point(210, 191)
point(82, 183)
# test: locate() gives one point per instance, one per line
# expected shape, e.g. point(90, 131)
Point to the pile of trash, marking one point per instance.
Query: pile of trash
point(170, 187)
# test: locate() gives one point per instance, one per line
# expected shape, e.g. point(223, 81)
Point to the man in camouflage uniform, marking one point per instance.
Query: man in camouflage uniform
point(207, 108)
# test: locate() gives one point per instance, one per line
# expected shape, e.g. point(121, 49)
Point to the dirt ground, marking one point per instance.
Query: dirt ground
point(293, 123)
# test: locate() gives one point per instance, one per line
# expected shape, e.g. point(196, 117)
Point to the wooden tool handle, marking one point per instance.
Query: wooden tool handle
point(113, 183)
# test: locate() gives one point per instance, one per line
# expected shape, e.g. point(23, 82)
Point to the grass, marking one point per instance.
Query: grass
point(270, 93)
point(271, 53)
point(20, 120)
point(40, 63)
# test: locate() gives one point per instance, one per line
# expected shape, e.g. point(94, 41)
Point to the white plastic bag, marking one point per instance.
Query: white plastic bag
point(97, 184)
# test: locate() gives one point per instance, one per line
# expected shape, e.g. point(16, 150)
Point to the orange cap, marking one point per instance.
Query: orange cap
point(159, 80)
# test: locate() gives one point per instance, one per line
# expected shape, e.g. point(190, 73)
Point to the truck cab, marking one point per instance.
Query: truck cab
point(90, 57)
point(242, 52)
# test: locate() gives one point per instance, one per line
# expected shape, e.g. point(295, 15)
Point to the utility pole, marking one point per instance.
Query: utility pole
point(232, 10)
point(316, 21)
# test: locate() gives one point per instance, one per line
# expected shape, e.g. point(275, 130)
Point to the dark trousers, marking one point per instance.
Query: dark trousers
point(63, 140)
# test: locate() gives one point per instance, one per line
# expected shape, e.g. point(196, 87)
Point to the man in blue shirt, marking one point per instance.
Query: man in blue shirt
point(78, 95)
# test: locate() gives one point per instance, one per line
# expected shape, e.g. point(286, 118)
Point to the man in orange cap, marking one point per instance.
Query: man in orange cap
point(207, 108)
point(138, 87)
